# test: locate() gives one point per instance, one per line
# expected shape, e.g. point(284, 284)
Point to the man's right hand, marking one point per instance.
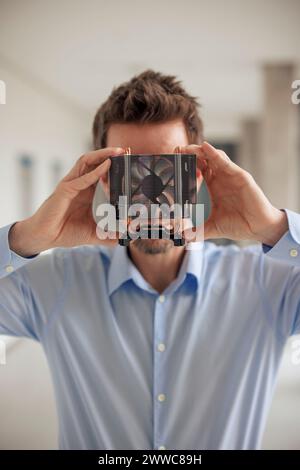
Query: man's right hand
point(65, 219)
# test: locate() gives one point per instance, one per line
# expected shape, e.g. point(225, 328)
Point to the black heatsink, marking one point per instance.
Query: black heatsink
point(153, 179)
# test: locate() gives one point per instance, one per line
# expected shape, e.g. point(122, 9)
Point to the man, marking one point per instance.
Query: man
point(155, 347)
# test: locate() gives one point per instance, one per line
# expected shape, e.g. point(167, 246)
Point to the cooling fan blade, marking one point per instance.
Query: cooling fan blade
point(139, 171)
point(164, 169)
point(152, 180)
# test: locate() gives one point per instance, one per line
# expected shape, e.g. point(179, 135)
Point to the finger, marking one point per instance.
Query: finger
point(220, 159)
point(213, 154)
point(112, 231)
point(210, 158)
point(73, 187)
point(92, 158)
point(204, 231)
point(110, 238)
point(191, 148)
point(196, 150)
point(95, 157)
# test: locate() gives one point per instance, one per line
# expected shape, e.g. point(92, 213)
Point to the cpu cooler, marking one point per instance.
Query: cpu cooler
point(164, 179)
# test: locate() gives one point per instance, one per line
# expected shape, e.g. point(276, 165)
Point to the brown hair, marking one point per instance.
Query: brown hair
point(148, 97)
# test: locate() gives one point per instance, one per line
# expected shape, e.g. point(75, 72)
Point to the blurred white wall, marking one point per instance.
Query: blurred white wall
point(283, 425)
point(38, 122)
point(27, 407)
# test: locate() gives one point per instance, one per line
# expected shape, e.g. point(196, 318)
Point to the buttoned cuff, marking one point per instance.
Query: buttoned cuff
point(288, 247)
point(9, 260)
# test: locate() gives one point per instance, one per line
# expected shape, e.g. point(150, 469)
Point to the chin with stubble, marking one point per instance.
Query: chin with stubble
point(153, 247)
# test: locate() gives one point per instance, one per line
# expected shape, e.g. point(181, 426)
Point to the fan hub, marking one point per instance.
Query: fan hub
point(152, 186)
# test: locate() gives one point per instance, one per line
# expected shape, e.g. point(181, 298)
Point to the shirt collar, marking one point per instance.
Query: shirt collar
point(119, 270)
point(191, 267)
point(122, 269)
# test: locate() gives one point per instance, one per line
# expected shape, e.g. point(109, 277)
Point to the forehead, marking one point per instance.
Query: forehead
point(148, 138)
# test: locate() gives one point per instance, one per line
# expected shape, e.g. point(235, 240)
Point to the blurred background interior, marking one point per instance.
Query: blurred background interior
point(60, 59)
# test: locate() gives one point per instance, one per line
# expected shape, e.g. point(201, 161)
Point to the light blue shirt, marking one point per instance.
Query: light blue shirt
point(193, 368)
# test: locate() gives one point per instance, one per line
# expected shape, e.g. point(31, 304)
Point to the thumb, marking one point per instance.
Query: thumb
point(210, 229)
point(202, 232)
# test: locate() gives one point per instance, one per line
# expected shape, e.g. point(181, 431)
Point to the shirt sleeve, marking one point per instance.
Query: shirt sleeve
point(287, 249)
point(282, 280)
point(29, 290)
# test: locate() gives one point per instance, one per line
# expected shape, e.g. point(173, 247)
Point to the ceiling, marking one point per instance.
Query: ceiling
point(81, 49)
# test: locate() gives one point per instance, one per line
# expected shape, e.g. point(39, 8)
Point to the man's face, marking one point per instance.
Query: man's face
point(154, 138)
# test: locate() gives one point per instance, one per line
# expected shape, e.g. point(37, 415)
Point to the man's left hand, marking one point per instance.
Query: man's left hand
point(239, 208)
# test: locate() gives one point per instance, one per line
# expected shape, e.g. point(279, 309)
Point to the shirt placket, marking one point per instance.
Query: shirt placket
point(159, 348)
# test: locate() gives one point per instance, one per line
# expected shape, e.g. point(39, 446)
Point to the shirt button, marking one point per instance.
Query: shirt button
point(293, 252)
point(161, 347)
point(162, 448)
point(161, 397)
point(161, 298)
point(9, 268)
